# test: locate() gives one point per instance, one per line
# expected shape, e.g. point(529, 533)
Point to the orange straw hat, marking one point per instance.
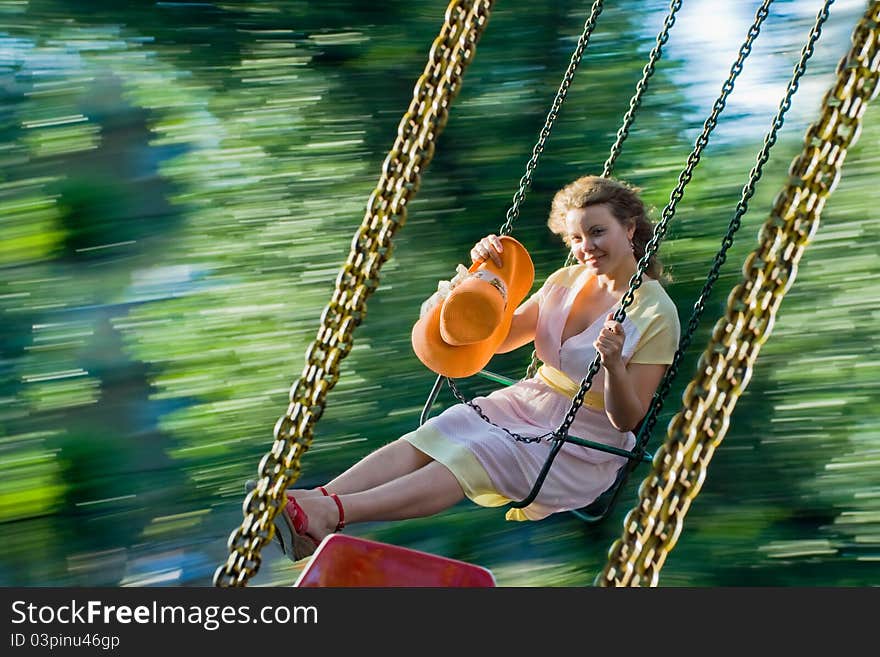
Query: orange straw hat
point(459, 337)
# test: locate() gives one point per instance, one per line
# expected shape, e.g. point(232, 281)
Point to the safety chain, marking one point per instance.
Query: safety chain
point(742, 207)
point(652, 528)
point(451, 52)
point(470, 402)
point(526, 181)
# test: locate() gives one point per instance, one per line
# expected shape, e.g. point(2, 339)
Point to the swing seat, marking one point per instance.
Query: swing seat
point(348, 561)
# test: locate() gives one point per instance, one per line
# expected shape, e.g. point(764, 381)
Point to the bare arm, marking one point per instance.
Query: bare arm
point(628, 392)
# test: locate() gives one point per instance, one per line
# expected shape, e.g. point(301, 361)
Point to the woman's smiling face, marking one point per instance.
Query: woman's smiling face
point(599, 240)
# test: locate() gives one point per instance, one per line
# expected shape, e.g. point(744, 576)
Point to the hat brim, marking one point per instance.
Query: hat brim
point(456, 362)
point(466, 360)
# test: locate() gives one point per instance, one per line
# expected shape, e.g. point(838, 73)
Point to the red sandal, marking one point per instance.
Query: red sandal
point(303, 543)
point(298, 542)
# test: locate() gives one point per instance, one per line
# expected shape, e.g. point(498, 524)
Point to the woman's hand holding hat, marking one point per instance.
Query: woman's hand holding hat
point(489, 247)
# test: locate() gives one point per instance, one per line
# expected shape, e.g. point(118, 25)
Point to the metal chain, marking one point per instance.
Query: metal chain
point(742, 207)
point(652, 528)
point(517, 437)
point(526, 181)
point(451, 52)
point(525, 184)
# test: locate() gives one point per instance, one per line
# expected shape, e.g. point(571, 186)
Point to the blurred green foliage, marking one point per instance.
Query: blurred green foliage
point(180, 182)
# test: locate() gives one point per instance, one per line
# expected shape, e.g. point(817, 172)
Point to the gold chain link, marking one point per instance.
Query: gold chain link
point(371, 247)
point(652, 528)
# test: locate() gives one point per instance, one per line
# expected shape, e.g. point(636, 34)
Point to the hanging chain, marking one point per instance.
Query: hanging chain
point(742, 207)
point(652, 528)
point(526, 181)
point(371, 246)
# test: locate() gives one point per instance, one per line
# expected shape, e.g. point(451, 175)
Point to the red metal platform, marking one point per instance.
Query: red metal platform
point(342, 560)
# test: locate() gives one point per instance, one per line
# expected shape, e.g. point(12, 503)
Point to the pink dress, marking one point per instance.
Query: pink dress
point(492, 467)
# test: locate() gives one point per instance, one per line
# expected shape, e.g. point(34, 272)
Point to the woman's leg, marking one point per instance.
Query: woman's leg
point(387, 463)
point(423, 492)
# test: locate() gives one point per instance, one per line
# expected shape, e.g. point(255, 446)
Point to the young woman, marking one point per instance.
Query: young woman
point(457, 454)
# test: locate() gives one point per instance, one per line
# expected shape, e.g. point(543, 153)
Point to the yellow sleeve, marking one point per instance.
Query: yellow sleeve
point(660, 331)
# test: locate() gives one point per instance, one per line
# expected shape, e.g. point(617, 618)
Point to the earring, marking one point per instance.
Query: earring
point(632, 246)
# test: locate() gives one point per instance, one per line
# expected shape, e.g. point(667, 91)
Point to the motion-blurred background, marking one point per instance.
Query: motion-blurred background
point(179, 185)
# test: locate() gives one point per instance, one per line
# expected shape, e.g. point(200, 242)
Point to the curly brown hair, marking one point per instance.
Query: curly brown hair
point(623, 201)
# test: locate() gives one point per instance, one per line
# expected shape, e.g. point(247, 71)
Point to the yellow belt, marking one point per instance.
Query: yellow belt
point(563, 384)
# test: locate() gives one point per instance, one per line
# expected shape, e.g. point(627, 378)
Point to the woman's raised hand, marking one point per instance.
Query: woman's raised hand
point(488, 247)
point(609, 344)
